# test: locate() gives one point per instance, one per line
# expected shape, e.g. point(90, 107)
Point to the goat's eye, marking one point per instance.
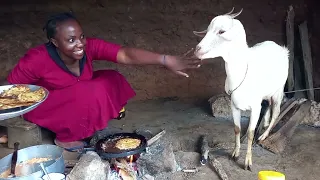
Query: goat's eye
point(221, 32)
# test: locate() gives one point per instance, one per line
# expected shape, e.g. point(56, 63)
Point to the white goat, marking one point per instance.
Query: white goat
point(253, 73)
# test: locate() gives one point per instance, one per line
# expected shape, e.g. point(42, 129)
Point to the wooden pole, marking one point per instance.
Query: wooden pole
point(290, 45)
point(306, 50)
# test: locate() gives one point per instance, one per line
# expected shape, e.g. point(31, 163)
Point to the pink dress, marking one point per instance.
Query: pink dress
point(77, 107)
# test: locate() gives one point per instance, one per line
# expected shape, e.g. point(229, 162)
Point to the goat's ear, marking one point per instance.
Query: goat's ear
point(200, 33)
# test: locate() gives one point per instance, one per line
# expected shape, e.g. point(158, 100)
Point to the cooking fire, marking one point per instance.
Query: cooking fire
point(124, 168)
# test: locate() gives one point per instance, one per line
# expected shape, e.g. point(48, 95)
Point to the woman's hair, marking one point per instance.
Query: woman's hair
point(51, 26)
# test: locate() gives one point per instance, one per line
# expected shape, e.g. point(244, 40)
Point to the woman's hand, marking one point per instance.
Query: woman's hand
point(178, 64)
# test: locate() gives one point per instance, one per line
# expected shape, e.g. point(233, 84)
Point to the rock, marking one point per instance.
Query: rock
point(220, 106)
point(90, 167)
point(158, 158)
point(313, 118)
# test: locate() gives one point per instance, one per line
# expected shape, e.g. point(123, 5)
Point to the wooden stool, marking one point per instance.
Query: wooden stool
point(22, 131)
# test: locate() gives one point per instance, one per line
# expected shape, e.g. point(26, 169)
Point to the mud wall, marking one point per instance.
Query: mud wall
point(162, 26)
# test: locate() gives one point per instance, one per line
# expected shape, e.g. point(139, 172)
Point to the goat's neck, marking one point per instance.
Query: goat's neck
point(236, 64)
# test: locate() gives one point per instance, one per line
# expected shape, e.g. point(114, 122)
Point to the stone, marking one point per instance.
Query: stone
point(90, 167)
point(22, 131)
point(220, 106)
point(158, 158)
point(313, 118)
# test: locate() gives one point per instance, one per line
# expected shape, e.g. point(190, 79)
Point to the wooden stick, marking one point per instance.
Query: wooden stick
point(276, 142)
point(219, 169)
point(306, 51)
point(290, 45)
point(125, 167)
point(155, 138)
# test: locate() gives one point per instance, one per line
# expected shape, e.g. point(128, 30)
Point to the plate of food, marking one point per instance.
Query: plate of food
point(18, 99)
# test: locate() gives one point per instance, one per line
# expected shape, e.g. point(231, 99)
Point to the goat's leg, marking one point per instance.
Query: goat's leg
point(276, 104)
point(236, 113)
point(255, 113)
point(266, 118)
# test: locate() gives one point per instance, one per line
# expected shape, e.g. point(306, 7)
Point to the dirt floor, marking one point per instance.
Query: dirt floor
point(185, 122)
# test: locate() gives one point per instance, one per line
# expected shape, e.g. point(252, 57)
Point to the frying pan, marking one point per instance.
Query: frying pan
point(112, 152)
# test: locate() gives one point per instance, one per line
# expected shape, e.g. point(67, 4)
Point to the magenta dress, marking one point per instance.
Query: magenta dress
point(76, 107)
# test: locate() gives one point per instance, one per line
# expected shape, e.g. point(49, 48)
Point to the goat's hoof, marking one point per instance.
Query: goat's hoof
point(235, 158)
point(247, 167)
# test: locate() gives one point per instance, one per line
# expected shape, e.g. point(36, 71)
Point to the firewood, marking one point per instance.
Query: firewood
point(123, 165)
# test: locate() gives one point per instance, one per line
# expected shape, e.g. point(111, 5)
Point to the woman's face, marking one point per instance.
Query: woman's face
point(70, 40)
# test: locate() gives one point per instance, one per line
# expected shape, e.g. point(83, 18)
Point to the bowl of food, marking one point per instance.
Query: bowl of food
point(18, 99)
point(28, 162)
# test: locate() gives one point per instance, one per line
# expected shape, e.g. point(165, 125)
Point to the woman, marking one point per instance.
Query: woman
point(81, 101)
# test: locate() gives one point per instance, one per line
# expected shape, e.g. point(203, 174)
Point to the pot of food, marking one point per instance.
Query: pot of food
point(28, 162)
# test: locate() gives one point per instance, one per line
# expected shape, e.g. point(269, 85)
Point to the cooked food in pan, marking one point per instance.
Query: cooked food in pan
point(127, 143)
point(20, 95)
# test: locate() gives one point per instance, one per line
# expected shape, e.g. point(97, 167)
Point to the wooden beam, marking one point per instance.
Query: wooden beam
point(290, 45)
point(306, 50)
point(277, 141)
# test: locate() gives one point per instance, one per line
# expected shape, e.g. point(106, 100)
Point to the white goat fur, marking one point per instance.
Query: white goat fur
point(262, 69)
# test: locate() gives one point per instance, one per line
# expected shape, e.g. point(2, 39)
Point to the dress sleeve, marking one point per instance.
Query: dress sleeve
point(27, 70)
point(102, 50)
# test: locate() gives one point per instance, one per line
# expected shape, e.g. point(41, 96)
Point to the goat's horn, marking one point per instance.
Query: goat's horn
point(236, 14)
point(230, 11)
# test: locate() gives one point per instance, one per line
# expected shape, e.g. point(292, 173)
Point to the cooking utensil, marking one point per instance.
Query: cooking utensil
point(18, 111)
point(14, 160)
point(54, 165)
point(112, 152)
point(45, 171)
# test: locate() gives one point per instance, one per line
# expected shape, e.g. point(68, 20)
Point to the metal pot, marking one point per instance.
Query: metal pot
point(56, 165)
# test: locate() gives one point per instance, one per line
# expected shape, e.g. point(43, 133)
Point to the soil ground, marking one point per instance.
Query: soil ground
point(185, 122)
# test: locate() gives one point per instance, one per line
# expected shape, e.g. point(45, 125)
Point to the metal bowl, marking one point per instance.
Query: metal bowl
point(15, 112)
point(56, 165)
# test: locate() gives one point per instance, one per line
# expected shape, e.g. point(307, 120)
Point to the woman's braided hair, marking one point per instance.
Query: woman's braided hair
point(51, 25)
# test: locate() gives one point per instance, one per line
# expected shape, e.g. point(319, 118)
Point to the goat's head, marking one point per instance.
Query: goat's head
point(222, 34)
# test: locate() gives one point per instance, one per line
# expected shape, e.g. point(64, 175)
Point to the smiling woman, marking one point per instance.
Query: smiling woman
point(81, 100)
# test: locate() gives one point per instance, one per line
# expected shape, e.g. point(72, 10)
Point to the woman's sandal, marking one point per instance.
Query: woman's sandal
point(75, 148)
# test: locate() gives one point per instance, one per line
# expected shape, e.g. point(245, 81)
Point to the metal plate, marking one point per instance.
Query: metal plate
point(18, 111)
point(113, 152)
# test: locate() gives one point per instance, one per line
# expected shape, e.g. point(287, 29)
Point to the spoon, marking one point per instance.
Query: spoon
point(45, 171)
point(14, 160)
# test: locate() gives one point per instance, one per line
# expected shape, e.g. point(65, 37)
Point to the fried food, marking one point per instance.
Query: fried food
point(14, 91)
point(20, 95)
point(20, 168)
point(127, 143)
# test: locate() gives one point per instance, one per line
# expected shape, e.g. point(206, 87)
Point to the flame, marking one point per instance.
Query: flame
point(130, 158)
